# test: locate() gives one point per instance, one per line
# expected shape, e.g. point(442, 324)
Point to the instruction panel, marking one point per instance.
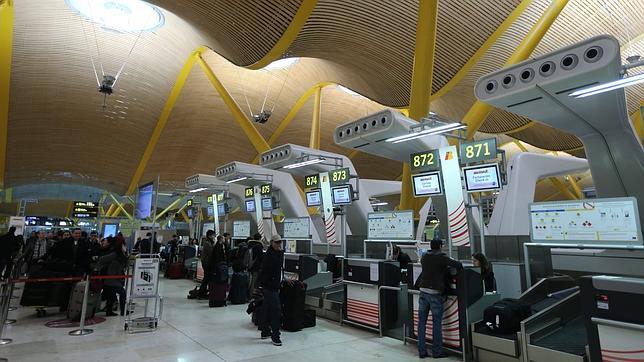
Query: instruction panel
point(241, 229)
point(397, 225)
point(145, 278)
point(297, 228)
point(586, 221)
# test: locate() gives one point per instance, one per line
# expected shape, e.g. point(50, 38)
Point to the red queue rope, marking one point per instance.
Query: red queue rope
point(68, 279)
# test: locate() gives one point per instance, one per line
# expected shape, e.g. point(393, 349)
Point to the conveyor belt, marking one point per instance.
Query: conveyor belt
point(481, 328)
point(571, 338)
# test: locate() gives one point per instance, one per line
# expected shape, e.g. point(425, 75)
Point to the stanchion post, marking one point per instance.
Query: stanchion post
point(10, 286)
point(82, 330)
point(4, 296)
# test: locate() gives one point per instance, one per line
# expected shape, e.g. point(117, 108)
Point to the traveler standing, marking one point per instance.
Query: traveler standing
point(432, 283)
point(206, 255)
point(256, 253)
point(270, 277)
point(37, 248)
point(112, 262)
point(480, 261)
point(401, 257)
point(9, 246)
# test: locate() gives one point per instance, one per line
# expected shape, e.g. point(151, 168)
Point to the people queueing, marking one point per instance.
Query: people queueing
point(112, 261)
point(401, 257)
point(270, 278)
point(432, 284)
point(149, 245)
point(256, 253)
point(94, 244)
point(36, 249)
point(206, 256)
point(70, 254)
point(173, 249)
point(480, 261)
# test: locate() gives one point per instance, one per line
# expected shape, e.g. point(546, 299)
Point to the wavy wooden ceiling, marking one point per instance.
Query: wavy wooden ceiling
point(58, 131)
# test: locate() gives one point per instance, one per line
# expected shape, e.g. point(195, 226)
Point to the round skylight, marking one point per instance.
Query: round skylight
point(120, 15)
point(282, 64)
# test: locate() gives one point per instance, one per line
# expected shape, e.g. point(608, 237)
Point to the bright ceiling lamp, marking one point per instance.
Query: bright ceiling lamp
point(120, 15)
point(381, 203)
point(284, 63)
point(634, 61)
point(305, 163)
point(242, 178)
point(427, 132)
point(199, 189)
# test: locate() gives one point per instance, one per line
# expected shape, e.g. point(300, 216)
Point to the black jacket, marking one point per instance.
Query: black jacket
point(271, 273)
point(435, 270)
point(404, 260)
point(488, 281)
point(258, 255)
point(76, 256)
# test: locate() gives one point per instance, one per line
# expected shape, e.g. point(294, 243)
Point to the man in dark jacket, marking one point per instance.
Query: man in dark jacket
point(270, 277)
point(71, 254)
point(9, 246)
point(206, 258)
point(432, 283)
point(256, 253)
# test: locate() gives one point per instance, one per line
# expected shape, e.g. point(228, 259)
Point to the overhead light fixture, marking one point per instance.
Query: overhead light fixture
point(120, 15)
point(607, 87)
point(427, 132)
point(383, 203)
point(199, 189)
point(304, 163)
point(236, 180)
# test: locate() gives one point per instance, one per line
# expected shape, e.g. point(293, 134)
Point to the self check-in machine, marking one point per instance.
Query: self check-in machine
point(465, 302)
point(614, 318)
point(371, 288)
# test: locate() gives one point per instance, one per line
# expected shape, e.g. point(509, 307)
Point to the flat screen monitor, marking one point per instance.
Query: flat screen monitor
point(250, 205)
point(110, 230)
point(211, 210)
point(267, 204)
point(342, 195)
point(221, 209)
point(190, 213)
point(482, 177)
point(144, 201)
point(427, 184)
point(313, 198)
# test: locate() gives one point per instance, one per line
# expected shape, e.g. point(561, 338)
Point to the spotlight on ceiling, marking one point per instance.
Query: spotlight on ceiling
point(262, 117)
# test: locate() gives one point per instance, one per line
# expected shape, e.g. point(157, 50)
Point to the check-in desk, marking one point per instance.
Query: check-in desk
point(464, 304)
point(305, 268)
point(371, 288)
point(613, 309)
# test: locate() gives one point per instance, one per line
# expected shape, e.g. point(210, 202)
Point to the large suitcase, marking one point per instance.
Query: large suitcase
point(239, 288)
point(505, 316)
point(309, 319)
point(76, 302)
point(46, 294)
point(292, 296)
point(217, 294)
point(175, 271)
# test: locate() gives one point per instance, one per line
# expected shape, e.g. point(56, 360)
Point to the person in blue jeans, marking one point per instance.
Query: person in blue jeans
point(431, 282)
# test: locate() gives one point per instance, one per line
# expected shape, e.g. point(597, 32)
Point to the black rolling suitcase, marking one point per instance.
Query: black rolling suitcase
point(505, 316)
point(292, 297)
point(239, 288)
point(309, 319)
point(218, 286)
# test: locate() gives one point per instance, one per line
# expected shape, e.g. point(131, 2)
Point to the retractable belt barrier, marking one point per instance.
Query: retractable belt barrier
point(68, 279)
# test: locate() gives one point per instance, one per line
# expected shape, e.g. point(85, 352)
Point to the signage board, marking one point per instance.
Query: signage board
point(241, 229)
point(592, 221)
point(265, 189)
point(424, 161)
point(486, 177)
point(145, 278)
point(391, 225)
point(85, 209)
point(312, 181)
point(313, 198)
point(342, 195)
point(476, 151)
point(339, 177)
point(249, 192)
point(297, 228)
point(427, 184)
point(189, 203)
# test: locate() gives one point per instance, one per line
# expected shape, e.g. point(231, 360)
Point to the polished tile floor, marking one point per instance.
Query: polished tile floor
point(190, 331)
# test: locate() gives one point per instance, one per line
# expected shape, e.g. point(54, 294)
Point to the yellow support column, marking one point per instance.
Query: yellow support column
point(314, 140)
point(421, 83)
point(6, 48)
point(121, 208)
point(479, 111)
point(562, 188)
point(575, 187)
point(70, 206)
point(170, 207)
point(184, 216)
point(163, 119)
point(110, 210)
point(246, 125)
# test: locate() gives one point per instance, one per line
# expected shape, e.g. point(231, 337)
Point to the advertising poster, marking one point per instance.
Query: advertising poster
point(458, 228)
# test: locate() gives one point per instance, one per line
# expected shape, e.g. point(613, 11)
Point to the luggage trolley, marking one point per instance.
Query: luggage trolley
point(144, 285)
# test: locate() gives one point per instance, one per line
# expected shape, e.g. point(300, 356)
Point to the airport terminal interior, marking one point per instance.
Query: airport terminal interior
point(322, 180)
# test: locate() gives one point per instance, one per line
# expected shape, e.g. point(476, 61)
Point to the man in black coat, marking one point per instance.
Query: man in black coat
point(432, 284)
point(9, 246)
point(270, 277)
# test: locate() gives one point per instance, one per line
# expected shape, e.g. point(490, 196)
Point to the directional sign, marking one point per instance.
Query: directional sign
point(424, 161)
point(477, 151)
point(189, 203)
point(85, 209)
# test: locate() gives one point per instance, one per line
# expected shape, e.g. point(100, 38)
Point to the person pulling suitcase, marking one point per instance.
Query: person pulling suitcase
point(270, 277)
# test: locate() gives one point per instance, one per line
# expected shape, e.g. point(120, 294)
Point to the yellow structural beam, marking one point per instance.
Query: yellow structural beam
point(421, 82)
point(514, 15)
point(68, 212)
point(314, 140)
point(637, 119)
point(246, 124)
point(521, 146)
point(6, 49)
point(184, 215)
point(353, 154)
point(476, 115)
point(120, 207)
point(110, 210)
point(289, 35)
point(575, 187)
point(562, 188)
point(170, 207)
point(163, 119)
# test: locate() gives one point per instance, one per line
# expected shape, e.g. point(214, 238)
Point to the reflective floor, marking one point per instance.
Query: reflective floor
point(190, 331)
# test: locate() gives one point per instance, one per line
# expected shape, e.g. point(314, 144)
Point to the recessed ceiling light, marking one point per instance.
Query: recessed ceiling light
point(120, 15)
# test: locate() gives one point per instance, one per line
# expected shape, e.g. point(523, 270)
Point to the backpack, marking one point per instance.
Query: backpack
point(505, 316)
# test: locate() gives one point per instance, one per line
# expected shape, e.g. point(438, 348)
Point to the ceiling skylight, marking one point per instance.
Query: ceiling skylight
point(120, 15)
